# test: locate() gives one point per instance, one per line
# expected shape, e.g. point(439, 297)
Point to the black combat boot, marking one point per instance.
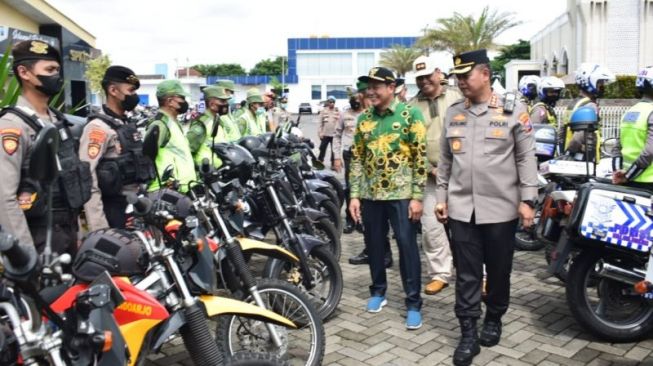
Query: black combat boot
point(491, 331)
point(468, 346)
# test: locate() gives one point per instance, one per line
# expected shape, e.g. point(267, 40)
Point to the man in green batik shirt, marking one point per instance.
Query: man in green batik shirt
point(200, 132)
point(387, 178)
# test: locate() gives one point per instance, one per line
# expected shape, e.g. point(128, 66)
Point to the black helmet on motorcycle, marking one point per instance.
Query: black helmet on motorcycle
point(175, 203)
point(238, 162)
point(250, 143)
point(266, 138)
point(117, 251)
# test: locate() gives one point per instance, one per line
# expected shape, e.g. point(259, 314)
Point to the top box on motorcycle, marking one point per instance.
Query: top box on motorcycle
point(545, 141)
point(617, 216)
point(565, 167)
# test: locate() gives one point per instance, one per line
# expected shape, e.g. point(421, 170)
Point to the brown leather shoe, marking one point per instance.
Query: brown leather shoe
point(434, 287)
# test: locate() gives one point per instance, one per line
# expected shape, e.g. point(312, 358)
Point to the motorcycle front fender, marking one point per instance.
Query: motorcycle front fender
point(215, 305)
point(315, 184)
point(169, 327)
point(322, 174)
point(314, 215)
point(273, 251)
point(308, 242)
point(318, 197)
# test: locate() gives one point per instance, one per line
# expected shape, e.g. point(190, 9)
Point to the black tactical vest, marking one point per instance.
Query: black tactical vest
point(72, 188)
point(130, 167)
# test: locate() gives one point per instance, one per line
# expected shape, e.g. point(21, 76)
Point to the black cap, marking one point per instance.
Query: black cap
point(464, 62)
point(121, 74)
point(379, 74)
point(34, 50)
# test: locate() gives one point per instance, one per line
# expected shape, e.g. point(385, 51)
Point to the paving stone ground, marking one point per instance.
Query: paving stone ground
point(538, 328)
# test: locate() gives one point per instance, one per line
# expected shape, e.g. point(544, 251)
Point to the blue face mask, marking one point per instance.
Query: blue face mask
point(283, 105)
point(260, 111)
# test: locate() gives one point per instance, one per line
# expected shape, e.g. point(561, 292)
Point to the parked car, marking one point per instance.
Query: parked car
point(305, 108)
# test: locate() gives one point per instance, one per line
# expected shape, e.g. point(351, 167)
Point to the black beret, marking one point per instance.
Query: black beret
point(34, 50)
point(121, 74)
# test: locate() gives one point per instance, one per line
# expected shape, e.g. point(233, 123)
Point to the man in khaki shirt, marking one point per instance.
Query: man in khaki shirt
point(487, 179)
point(329, 118)
point(113, 148)
point(433, 100)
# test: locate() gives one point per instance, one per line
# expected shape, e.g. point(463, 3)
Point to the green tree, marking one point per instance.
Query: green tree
point(400, 58)
point(220, 69)
point(270, 67)
point(95, 70)
point(516, 51)
point(461, 33)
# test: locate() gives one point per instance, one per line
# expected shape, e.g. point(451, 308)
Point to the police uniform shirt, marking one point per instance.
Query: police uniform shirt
point(343, 139)
point(487, 161)
point(99, 141)
point(328, 120)
point(17, 139)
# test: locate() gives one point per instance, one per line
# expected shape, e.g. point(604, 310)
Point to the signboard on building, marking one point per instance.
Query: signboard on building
point(11, 36)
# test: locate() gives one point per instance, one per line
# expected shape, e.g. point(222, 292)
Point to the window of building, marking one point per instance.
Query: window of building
point(338, 91)
point(365, 62)
point(316, 92)
point(564, 65)
point(324, 64)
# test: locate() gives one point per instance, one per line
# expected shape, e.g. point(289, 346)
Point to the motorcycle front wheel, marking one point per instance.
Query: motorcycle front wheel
point(301, 346)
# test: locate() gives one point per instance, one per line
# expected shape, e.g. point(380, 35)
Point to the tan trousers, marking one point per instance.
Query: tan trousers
point(434, 240)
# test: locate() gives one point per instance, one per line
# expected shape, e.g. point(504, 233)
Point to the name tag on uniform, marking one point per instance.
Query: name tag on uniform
point(631, 117)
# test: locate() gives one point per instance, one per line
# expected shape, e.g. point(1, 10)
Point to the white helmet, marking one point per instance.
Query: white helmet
point(550, 83)
point(297, 132)
point(528, 85)
point(645, 79)
point(589, 75)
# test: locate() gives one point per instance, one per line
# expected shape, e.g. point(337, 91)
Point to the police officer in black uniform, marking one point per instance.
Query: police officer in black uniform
point(23, 207)
point(114, 149)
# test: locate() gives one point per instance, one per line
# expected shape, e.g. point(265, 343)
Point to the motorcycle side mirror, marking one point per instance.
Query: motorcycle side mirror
point(151, 143)
point(607, 146)
point(43, 161)
point(205, 168)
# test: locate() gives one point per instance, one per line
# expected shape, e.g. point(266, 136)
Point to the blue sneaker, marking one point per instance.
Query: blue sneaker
point(376, 303)
point(413, 320)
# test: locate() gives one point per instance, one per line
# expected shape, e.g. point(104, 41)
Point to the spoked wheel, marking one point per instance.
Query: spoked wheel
point(301, 346)
point(608, 308)
point(327, 276)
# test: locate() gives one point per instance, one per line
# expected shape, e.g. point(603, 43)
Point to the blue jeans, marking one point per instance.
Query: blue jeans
point(377, 215)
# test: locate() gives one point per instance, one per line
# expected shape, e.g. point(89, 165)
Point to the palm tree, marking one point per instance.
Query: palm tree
point(461, 33)
point(400, 58)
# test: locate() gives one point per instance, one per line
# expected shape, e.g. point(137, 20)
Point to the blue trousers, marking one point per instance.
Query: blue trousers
point(377, 215)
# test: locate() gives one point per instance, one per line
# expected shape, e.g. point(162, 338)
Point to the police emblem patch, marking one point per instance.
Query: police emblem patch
point(456, 145)
point(10, 139)
point(38, 47)
point(93, 150)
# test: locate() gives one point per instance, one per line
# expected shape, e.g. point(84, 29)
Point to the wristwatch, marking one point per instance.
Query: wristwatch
point(530, 203)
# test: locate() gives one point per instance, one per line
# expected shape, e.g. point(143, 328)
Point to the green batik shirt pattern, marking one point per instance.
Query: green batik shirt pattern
point(389, 154)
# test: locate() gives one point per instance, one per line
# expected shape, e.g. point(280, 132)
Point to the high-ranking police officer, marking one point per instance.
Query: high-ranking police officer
point(23, 205)
point(633, 161)
point(486, 179)
point(114, 149)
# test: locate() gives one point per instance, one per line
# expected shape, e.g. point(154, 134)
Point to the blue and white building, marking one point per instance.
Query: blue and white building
point(321, 67)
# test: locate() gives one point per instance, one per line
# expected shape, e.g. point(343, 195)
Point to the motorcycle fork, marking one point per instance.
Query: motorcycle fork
point(307, 280)
point(235, 256)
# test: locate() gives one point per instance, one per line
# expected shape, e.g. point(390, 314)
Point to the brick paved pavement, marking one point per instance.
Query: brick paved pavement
point(538, 328)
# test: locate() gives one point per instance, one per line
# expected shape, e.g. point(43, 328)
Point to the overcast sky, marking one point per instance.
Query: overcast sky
point(142, 33)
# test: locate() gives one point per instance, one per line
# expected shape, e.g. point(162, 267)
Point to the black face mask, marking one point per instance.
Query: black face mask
point(223, 109)
point(354, 105)
point(130, 102)
point(50, 84)
point(183, 107)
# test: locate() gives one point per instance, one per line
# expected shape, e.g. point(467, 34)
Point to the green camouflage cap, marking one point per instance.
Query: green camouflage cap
point(227, 84)
point(254, 96)
point(170, 87)
point(361, 86)
point(215, 92)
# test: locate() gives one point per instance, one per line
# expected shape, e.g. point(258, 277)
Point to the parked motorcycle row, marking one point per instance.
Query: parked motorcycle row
point(185, 268)
point(596, 238)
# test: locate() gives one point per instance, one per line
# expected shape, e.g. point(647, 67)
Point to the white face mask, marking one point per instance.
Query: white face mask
point(260, 110)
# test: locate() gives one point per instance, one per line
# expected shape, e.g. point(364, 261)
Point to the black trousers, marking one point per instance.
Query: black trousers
point(474, 245)
point(377, 215)
point(346, 157)
point(114, 211)
point(326, 141)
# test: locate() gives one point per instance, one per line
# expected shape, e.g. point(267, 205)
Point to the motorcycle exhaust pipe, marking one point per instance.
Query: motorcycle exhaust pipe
point(613, 272)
